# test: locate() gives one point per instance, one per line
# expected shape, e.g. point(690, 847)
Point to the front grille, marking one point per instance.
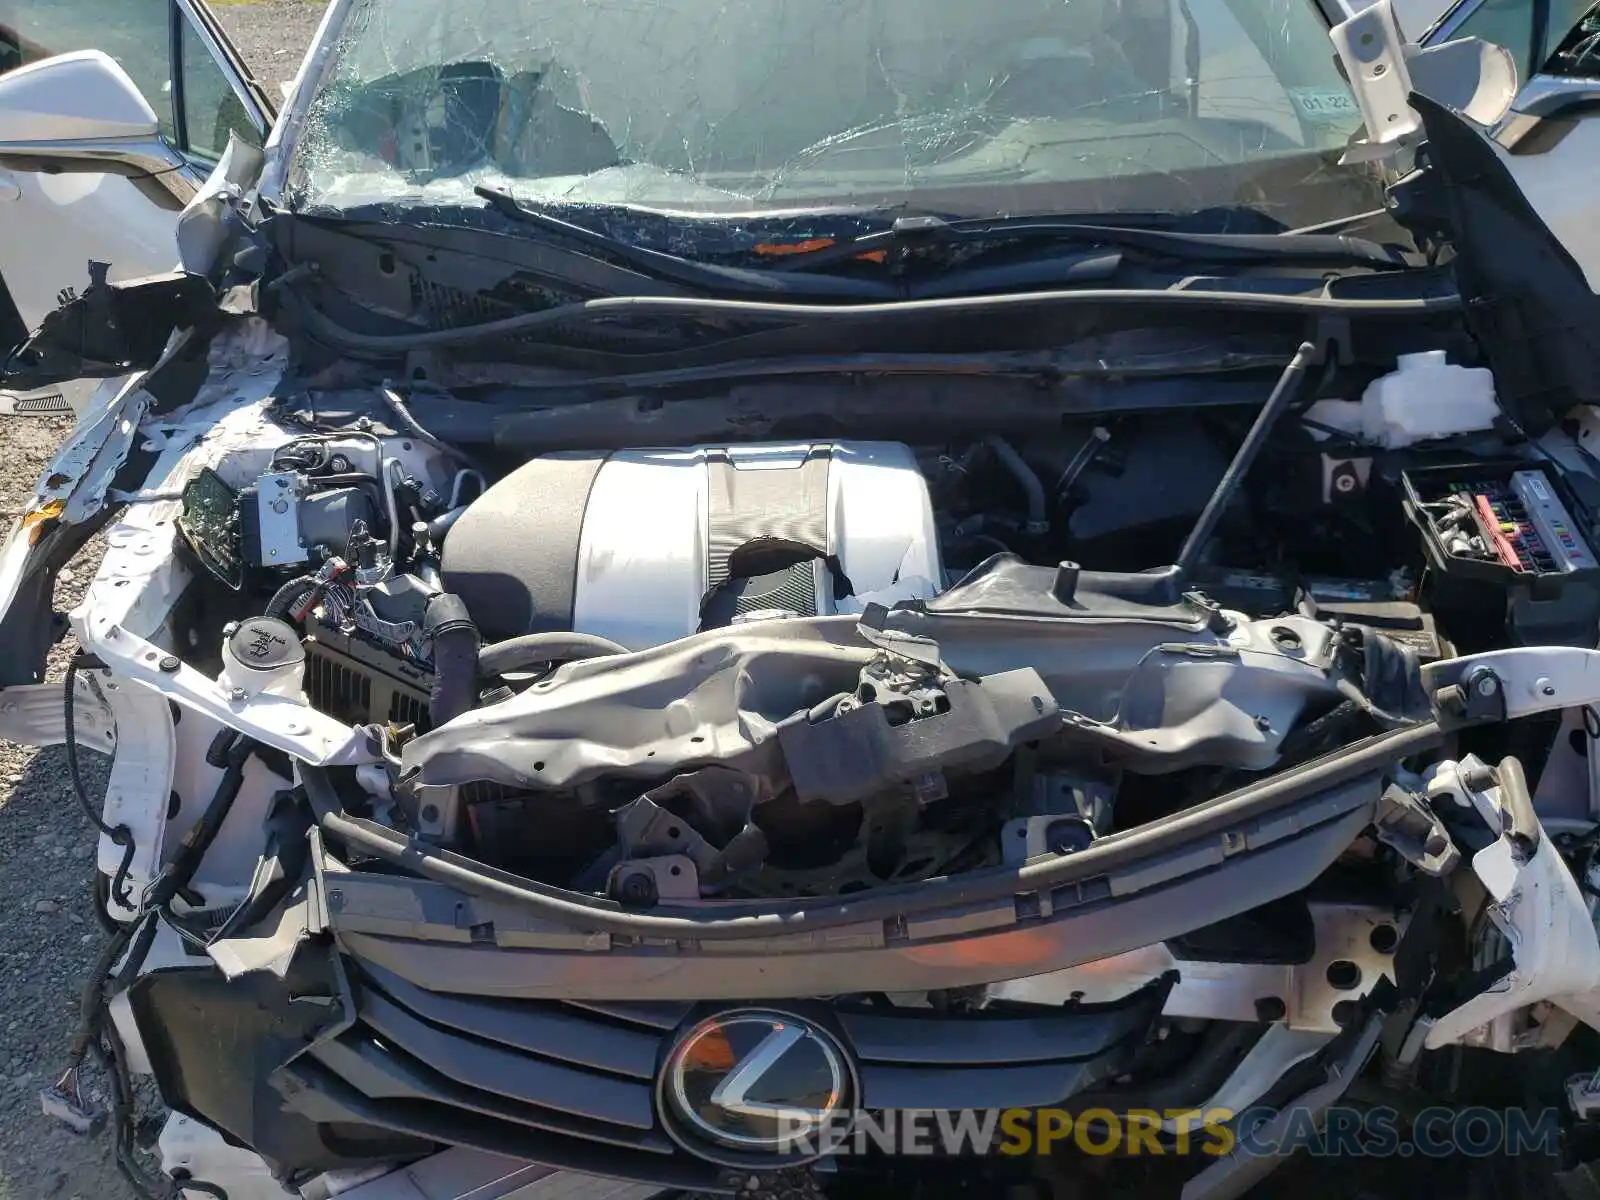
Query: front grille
point(536, 1079)
point(572, 1084)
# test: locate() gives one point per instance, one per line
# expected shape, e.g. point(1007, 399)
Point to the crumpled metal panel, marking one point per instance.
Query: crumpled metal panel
point(1157, 694)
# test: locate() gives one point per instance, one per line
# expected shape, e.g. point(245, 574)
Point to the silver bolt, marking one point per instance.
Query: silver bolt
point(237, 695)
point(1487, 684)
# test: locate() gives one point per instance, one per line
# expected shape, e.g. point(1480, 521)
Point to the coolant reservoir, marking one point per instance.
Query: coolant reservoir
point(1426, 397)
point(263, 656)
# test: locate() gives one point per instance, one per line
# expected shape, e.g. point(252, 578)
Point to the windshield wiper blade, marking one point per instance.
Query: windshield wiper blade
point(704, 276)
point(910, 233)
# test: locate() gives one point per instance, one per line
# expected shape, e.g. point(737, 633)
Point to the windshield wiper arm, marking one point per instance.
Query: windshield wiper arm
point(1278, 248)
point(704, 276)
point(1059, 271)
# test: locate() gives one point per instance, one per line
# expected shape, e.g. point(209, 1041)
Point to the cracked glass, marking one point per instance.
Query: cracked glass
point(707, 107)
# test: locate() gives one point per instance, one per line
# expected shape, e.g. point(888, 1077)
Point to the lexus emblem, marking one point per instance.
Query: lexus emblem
point(766, 1085)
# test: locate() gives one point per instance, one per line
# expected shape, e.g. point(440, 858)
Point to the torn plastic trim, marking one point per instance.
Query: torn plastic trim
point(112, 329)
point(1536, 905)
point(1219, 819)
point(445, 940)
point(1233, 1175)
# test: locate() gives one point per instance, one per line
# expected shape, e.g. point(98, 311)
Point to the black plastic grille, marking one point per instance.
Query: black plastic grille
point(572, 1084)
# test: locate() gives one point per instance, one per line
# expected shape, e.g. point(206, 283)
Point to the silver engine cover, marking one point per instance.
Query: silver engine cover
point(647, 546)
point(670, 538)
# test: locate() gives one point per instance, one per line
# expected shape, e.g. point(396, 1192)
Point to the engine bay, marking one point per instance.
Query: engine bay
point(809, 668)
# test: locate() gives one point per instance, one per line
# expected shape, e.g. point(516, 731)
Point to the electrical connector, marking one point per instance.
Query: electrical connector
point(64, 1103)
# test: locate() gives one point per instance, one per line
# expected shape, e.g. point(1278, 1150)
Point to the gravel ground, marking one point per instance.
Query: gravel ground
point(48, 933)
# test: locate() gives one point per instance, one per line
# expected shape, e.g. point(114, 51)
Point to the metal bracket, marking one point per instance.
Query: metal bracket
point(1501, 685)
point(31, 714)
point(1355, 946)
point(1028, 838)
point(645, 831)
point(641, 882)
point(278, 518)
point(1407, 825)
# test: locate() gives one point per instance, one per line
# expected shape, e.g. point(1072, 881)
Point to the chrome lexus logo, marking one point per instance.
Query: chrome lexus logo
point(759, 1083)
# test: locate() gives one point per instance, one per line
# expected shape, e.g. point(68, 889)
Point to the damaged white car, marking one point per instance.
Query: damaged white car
point(677, 577)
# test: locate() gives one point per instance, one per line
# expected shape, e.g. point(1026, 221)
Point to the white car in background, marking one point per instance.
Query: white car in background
point(677, 575)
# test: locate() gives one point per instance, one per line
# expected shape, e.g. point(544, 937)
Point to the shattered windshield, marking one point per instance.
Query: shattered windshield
point(733, 106)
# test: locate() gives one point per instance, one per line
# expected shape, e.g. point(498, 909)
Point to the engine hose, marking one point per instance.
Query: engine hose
point(450, 628)
point(439, 528)
point(519, 653)
point(287, 598)
point(1038, 514)
point(1369, 759)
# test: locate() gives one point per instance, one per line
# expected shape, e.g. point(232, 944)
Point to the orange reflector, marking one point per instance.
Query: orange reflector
point(34, 522)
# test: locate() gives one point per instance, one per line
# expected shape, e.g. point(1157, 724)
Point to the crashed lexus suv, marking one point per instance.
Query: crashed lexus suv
point(673, 580)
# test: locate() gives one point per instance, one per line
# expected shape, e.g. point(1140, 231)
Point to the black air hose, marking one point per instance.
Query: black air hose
point(455, 640)
point(440, 526)
point(518, 653)
point(1026, 477)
